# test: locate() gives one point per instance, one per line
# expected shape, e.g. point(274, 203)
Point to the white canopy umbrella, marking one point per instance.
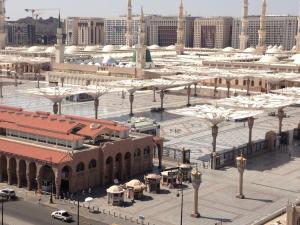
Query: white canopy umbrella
point(214, 115)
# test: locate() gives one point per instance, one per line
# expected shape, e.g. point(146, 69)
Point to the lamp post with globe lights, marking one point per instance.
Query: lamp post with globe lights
point(241, 163)
point(196, 181)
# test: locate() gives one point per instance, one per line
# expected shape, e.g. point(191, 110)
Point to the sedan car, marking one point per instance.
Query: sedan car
point(62, 215)
point(10, 193)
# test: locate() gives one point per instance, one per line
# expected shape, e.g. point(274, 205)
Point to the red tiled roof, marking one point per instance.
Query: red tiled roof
point(33, 152)
point(56, 126)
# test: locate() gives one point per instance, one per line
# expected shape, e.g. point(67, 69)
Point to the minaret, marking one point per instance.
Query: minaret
point(261, 46)
point(298, 33)
point(2, 21)
point(141, 48)
point(244, 32)
point(59, 47)
point(129, 36)
point(180, 31)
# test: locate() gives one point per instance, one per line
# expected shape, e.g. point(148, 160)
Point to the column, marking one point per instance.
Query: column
point(57, 184)
point(250, 125)
point(96, 106)
point(248, 87)
point(55, 108)
point(216, 86)
point(59, 107)
point(154, 97)
point(195, 89)
point(228, 84)
point(19, 184)
point(162, 95)
point(214, 143)
point(62, 80)
point(131, 99)
point(28, 178)
point(280, 117)
point(1, 171)
point(189, 96)
point(9, 178)
point(39, 182)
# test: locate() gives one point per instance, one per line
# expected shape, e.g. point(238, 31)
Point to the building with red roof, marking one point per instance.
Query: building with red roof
point(70, 153)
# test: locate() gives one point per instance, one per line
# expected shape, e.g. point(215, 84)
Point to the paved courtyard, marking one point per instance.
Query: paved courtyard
point(191, 133)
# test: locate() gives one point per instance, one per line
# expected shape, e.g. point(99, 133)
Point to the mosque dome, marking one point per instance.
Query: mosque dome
point(250, 50)
point(50, 50)
point(92, 48)
point(125, 48)
point(296, 56)
point(115, 189)
point(281, 48)
point(35, 49)
point(269, 59)
point(294, 48)
point(228, 49)
point(109, 60)
point(90, 63)
point(154, 47)
point(171, 47)
point(108, 48)
point(71, 49)
point(269, 47)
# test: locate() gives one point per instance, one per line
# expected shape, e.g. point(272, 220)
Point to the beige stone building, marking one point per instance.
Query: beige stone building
point(84, 31)
point(213, 32)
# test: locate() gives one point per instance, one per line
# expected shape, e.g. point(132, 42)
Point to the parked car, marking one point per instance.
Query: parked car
point(3, 196)
point(10, 193)
point(62, 215)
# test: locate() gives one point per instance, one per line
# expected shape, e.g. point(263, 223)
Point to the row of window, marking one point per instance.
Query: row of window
point(81, 167)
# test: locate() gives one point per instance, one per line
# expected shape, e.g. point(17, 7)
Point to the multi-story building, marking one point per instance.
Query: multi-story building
point(115, 30)
point(84, 31)
point(162, 30)
point(213, 32)
point(20, 33)
point(281, 30)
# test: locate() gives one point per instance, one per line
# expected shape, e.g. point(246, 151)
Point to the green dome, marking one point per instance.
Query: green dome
point(148, 56)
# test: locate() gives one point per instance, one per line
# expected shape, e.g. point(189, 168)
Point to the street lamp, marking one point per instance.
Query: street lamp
point(196, 181)
point(241, 163)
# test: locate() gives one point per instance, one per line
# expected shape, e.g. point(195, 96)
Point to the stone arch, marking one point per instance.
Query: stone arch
point(66, 179)
point(3, 168)
point(118, 167)
point(22, 181)
point(32, 178)
point(271, 140)
point(80, 167)
point(127, 165)
point(47, 179)
point(109, 166)
point(92, 164)
point(12, 171)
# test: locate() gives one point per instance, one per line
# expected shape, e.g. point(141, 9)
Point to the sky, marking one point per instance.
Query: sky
point(112, 8)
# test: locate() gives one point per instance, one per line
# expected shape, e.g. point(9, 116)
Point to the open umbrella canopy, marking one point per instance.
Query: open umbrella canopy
point(214, 114)
point(88, 199)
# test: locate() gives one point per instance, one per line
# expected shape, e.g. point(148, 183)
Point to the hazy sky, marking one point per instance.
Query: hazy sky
point(107, 8)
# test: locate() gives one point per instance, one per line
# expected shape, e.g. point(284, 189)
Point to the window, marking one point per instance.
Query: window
point(80, 167)
point(252, 83)
point(220, 80)
point(92, 164)
point(236, 82)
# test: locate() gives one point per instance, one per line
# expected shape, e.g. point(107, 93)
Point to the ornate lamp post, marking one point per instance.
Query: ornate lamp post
point(241, 163)
point(196, 181)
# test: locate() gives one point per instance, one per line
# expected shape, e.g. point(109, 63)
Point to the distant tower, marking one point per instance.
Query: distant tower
point(2, 21)
point(180, 31)
point(244, 33)
point(141, 48)
point(129, 36)
point(261, 46)
point(298, 33)
point(59, 47)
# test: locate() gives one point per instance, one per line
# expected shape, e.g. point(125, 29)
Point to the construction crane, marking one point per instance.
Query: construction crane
point(35, 13)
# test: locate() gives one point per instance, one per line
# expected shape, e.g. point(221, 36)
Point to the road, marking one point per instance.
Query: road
point(24, 213)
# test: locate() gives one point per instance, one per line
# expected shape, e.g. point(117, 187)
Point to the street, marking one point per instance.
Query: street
point(20, 212)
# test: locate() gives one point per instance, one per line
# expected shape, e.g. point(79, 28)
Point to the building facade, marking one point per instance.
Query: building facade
point(20, 33)
point(280, 30)
point(70, 153)
point(84, 31)
point(214, 32)
point(115, 30)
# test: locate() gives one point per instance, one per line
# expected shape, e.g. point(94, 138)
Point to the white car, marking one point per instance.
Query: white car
point(10, 193)
point(62, 215)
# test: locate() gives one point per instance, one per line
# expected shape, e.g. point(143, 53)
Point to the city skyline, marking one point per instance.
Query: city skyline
point(169, 7)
